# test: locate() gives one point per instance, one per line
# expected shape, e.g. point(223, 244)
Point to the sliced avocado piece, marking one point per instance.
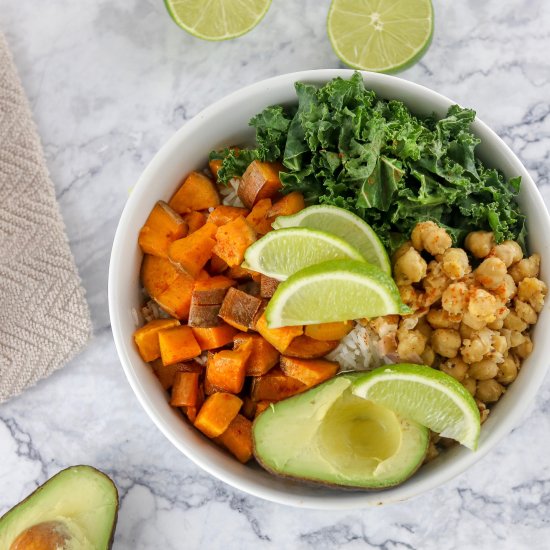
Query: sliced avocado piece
point(330, 436)
point(74, 510)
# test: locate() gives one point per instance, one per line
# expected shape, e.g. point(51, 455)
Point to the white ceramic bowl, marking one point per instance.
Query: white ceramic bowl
point(226, 122)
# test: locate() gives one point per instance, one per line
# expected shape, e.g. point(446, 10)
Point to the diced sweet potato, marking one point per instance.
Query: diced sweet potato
point(176, 299)
point(209, 388)
point(217, 413)
point(157, 274)
point(204, 316)
point(263, 356)
point(287, 205)
point(258, 217)
point(165, 373)
point(237, 439)
point(268, 286)
point(191, 253)
point(147, 339)
point(178, 344)
point(309, 371)
point(249, 407)
point(279, 338)
point(185, 391)
point(275, 385)
point(232, 240)
point(260, 181)
point(241, 274)
point(217, 265)
point(329, 331)
point(196, 193)
point(211, 291)
point(194, 220)
point(308, 348)
point(238, 309)
point(223, 214)
point(227, 369)
point(261, 406)
point(215, 165)
point(214, 337)
point(163, 226)
point(191, 412)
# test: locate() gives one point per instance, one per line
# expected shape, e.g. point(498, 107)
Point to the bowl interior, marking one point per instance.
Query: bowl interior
point(226, 123)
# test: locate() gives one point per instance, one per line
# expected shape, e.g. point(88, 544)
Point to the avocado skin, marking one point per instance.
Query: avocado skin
point(10, 517)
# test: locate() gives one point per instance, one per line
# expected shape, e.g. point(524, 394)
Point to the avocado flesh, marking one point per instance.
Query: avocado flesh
point(330, 436)
point(80, 505)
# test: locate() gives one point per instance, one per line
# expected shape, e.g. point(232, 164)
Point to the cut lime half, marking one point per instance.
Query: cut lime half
point(343, 224)
point(425, 395)
point(380, 35)
point(338, 290)
point(217, 19)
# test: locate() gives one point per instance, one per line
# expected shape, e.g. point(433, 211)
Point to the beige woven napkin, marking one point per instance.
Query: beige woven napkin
point(44, 318)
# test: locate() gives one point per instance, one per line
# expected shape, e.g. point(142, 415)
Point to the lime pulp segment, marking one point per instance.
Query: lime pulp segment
point(217, 19)
point(425, 395)
point(380, 35)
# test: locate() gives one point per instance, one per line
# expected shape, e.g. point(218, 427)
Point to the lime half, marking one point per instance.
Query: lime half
point(425, 395)
point(380, 35)
point(337, 290)
point(279, 254)
point(345, 225)
point(217, 19)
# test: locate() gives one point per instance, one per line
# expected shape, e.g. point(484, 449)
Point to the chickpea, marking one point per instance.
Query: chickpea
point(474, 322)
point(499, 343)
point(506, 290)
point(424, 327)
point(439, 318)
point(455, 298)
point(489, 391)
point(432, 453)
point(507, 370)
point(455, 263)
point(516, 339)
point(525, 312)
point(525, 348)
point(428, 356)
point(532, 290)
point(528, 267)
point(411, 296)
point(513, 321)
point(483, 370)
point(470, 384)
point(411, 344)
point(483, 305)
point(401, 250)
point(466, 332)
point(490, 272)
point(479, 243)
point(483, 411)
point(509, 252)
point(435, 282)
point(446, 342)
point(455, 367)
point(474, 349)
point(430, 237)
point(409, 268)
point(384, 325)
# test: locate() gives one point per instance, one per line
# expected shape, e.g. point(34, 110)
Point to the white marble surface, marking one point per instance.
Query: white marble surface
point(109, 81)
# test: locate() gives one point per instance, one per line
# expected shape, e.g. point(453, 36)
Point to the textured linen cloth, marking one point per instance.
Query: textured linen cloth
point(44, 318)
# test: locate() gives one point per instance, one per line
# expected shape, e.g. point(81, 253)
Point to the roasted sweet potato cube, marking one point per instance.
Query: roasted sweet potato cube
point(329, 331)
point(163, 226)
point(241, 274)
point(165, 373)
point(261, 406)
point(211, 291)
point(268, 286)
point(279, 338)
point(227, 369)
point(249, 407)
point(209, 388)
point(223, 214)
point(287, 205)
point(204, 316)
point(197, 192)
point(216, 265)
point(237, 439)
point(309, 348)
point(309, 371)
point(214, 337)
point(194, 220)
point(191, 412)
point(185, 391)
point(260, 181)
point(215, 165)
point(147, 339)
point(275, 385)
point(178, 344)
point(258, 217)
point(191, 253)
point(217, 412)
point(263, 356)
point(239, 308)
point(157, 274)
point(176, 299)
point(232, 240)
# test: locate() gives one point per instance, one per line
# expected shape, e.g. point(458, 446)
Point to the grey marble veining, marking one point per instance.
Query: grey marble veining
point(109, 82)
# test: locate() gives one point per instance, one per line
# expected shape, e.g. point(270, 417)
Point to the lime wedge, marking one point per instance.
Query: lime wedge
point(217, 19)
point(381, 36)
point(425, 395)
point(279, 254)
point(343, 224)
point(338, 290)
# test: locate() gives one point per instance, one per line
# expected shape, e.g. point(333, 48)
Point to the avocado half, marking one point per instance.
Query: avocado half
point(330, 436)
point(74, 510)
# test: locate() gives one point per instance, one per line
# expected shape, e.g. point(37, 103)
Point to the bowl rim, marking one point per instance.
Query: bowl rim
point(344, 499)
